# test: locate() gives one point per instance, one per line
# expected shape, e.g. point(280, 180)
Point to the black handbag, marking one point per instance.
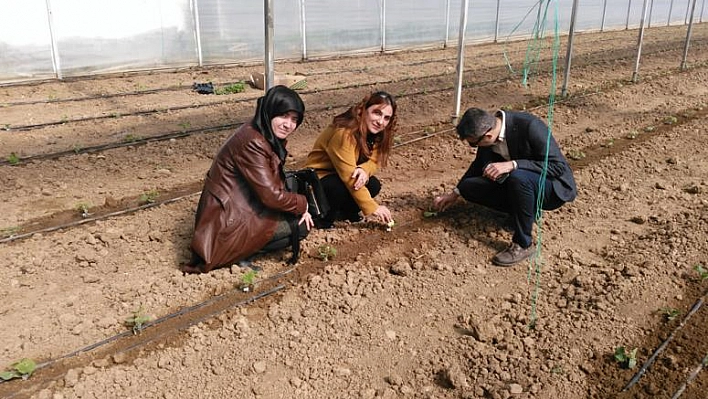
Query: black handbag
point(306, 182)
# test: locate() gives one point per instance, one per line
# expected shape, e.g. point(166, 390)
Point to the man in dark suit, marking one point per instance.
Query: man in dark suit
point(505, 175)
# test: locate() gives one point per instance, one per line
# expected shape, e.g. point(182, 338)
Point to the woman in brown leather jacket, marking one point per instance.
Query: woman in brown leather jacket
point(244, 207)
point(347, 154)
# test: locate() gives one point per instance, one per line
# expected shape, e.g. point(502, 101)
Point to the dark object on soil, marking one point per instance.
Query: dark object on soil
point(203, 88)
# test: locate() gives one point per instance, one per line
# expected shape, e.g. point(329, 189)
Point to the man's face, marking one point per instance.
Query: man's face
point(483, 141)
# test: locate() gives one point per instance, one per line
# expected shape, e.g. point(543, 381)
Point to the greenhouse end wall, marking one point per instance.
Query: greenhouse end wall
point(60, 38)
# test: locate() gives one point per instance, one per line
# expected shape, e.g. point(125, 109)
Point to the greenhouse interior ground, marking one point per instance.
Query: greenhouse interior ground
point(101, 177)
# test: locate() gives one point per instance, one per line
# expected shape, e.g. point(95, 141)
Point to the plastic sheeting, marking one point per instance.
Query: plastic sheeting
point(58, 38)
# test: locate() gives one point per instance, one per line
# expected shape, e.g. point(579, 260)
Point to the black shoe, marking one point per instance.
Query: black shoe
point(355, 218)
point(324, 224)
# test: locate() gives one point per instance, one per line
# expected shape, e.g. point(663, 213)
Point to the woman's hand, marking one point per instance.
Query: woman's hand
point(360, 178)
point(307, 218)
point(383, 213)
point(442, 202)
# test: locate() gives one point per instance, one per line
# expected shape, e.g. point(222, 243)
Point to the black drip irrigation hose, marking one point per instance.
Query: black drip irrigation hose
point(217, 103)
point(692, 376)
point(93, 219)
point(170, 316)
point(663, 345)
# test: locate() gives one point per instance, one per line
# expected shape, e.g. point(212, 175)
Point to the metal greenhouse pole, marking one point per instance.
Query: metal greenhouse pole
point(303, 29)
point(651, 12)
point(269, 47)
point(671, 8)
point(703, 7)
point(383, 26)
point(635, 75)
point(56, 63)
point(460, 59)
point(604, 14)
point(197, 31)
point(496, 25)
point(569, 52)
point(629, 8)
point(688, 36)
point(447, 23)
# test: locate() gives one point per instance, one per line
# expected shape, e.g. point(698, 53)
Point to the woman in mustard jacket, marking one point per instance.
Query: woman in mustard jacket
point(244, 207)
point(348, 153)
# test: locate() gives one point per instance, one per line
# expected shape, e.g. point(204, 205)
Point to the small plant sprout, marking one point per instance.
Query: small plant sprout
point(326, 252)
point(77, 148)
point(633, 134)
point(83, 209)
point(650, 129)
point(10, 231)
point(389, 225)
point(702, 272)
point(670, 120)
point(20, 369)
point(131, 138)
point(576, 155)
point(13, 159)
point(626, 359)
point(230, 89)
point(185, 125)
point(247, 280)
point(429, 214)
point(137, 321)
point(149, 197)
point(670, 313)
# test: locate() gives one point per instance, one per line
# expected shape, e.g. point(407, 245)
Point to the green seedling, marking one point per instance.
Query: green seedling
point(185, 125)
point(609, 143)
point(429, 214)
point(300, 85)
point(247, 280)
point(13, 159)
point(397, 140)
point(149, 197)
point(137, 321)
point(626, 359)
point(702, 273)
point(77, 148)
point(389, 225)
point(231, 89)
point(670, 120)
point(650, 129)
point(10, 231)
point(632, 135)
point(64, 119)
point(576, 154)
point(670, 313)
point(131, 138)
point(20, 369)
point(83, 208)
point(326, 252)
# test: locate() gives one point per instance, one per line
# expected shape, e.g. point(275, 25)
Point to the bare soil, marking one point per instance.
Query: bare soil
point(417, 312)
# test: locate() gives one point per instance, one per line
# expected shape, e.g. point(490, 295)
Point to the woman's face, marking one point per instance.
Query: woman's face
point(283, 125)
point(377, 117)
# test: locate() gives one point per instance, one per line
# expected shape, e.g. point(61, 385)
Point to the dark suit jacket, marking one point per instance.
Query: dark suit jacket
point(527, 138)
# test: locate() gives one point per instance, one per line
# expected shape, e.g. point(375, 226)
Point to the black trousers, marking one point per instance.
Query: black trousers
point(517, 196)
point(341, 203)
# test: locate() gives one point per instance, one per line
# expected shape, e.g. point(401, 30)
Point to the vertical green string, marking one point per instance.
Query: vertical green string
point(536, 263)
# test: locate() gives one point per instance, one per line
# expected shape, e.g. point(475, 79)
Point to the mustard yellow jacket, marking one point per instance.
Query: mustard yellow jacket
point(335, 151)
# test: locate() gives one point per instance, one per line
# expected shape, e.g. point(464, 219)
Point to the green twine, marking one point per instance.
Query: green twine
point(536, 261)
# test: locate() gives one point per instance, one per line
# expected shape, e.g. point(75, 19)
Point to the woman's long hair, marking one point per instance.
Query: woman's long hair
point(353, 119)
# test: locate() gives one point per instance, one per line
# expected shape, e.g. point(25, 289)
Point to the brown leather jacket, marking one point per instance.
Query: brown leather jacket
point(244, 196)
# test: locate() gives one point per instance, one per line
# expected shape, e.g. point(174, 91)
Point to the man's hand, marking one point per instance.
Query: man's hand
point(442, 202)
point(496, 169)
point(360, 178)
point(383, 214)
point(307, 218)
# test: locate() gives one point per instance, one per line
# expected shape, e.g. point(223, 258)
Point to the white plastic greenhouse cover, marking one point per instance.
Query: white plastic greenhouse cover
point(42, 39)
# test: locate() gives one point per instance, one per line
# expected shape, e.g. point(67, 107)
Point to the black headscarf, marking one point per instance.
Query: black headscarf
point(279, 100)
